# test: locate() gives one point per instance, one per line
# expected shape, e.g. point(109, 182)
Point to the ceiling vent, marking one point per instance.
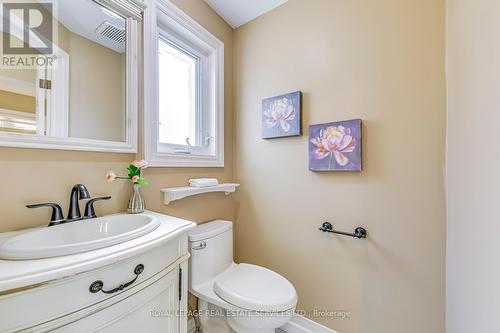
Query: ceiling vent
point(109, 31)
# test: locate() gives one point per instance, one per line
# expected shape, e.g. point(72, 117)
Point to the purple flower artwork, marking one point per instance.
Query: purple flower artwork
point(281, 116)
point(335, 146)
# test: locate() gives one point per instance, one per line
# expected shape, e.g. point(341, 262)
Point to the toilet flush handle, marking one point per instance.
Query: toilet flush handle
point(202, 246)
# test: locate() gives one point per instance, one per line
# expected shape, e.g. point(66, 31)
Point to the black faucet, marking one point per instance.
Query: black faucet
point(78, 192)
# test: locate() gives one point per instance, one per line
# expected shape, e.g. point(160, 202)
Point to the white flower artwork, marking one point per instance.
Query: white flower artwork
point(335, 146)
point(281, 116)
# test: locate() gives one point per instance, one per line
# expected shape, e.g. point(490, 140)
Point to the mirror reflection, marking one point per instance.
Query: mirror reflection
point(82, 95)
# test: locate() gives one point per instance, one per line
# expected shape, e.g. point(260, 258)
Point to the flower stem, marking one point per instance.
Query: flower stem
point(330, 162)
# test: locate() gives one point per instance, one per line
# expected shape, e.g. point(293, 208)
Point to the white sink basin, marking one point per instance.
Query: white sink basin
point(77, 237)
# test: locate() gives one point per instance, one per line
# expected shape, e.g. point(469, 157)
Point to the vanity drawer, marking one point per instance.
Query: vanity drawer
point(22, 310)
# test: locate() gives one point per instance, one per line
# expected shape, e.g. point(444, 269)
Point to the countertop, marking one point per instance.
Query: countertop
point(16, 274)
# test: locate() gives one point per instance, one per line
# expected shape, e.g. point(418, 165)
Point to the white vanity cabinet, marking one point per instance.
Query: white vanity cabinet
point(155, 308)
point(136, 286)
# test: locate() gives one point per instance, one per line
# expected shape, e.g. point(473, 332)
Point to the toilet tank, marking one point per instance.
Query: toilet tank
point(211, 248)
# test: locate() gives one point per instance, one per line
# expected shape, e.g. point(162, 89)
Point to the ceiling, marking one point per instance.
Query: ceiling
point(88, 19)
point(239, 12)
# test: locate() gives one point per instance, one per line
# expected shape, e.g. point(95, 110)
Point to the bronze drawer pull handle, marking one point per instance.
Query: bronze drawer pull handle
point(97, 285)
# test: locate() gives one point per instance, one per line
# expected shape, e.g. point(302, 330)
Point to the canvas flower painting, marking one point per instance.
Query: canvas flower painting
point(281, 116)
point(335, 146)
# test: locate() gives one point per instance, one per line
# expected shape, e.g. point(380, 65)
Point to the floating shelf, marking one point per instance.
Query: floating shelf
point(177, 193)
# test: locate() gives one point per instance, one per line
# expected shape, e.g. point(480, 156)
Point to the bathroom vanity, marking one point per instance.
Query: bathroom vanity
point(113, 277)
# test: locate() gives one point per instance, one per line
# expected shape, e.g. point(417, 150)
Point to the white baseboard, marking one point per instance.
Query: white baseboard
point(300, 324)
point(191, 326)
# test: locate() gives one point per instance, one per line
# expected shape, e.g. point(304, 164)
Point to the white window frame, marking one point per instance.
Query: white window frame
point(163, 17)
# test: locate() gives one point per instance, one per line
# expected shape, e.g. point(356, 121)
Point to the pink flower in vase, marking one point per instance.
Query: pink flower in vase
point(134, 173)
point(140, 164)
point(111, 177)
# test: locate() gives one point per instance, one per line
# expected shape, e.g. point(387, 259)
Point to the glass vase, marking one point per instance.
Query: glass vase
point(136, 203)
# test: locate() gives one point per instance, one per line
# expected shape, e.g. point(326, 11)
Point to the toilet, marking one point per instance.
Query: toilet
point(254, 299)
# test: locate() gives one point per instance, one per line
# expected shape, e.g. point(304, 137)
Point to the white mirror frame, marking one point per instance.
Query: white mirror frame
point(131, 10)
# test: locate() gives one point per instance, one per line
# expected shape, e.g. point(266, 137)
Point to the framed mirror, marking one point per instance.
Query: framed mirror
point(68, 77)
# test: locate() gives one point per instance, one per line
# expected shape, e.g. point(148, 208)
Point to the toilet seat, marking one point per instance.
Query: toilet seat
point(255, 288)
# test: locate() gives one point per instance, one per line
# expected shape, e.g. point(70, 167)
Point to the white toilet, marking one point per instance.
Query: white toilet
point(255, 299)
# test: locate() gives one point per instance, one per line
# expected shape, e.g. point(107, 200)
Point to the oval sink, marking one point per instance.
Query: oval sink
point(77, 237)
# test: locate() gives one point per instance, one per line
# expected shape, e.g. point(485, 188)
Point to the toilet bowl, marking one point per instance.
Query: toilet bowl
point(255, 299)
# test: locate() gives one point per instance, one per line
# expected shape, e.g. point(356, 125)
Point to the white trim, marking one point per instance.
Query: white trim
point(132, 84)
point(127, 8)
point(215, 48)
point(297, 324)
point(130, 145)
point(18, 114)
point(17, 86)
point(58, 96)
point(191, 326)
point(183, 304)
point(52, 105)
point(19, 140)
point(10, 117)
point(41, 95)
point(300, 324)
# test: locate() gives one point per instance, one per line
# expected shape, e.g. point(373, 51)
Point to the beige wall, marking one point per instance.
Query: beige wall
point(382, 61)
point(43, 175)
point(17, 102)
point(33, 176)
point(473, 161)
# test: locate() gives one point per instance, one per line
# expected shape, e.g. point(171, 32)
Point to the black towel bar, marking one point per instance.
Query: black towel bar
point(359, 232)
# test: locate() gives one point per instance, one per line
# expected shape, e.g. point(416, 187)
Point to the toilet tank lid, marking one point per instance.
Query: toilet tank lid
point(209, 230)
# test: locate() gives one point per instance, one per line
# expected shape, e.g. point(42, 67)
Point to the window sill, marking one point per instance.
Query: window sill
point(159, 160)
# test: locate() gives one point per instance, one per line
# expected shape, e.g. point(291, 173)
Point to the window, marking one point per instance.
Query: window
point(184, 91)
point(179, 80)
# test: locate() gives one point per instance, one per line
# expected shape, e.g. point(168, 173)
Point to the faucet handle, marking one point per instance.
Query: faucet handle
point(89, 207)
point(57, 215)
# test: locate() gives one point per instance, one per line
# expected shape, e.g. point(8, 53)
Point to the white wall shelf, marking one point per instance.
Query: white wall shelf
point(177, 193)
